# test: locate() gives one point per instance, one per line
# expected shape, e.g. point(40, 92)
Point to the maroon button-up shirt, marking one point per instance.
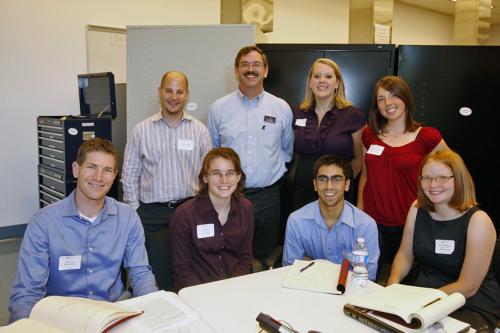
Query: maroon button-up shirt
point(203, 250)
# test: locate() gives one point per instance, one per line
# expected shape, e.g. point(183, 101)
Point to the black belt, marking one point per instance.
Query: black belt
point(254, 190)
point(174, 203)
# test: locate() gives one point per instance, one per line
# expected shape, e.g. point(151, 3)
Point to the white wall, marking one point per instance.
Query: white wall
point(311, 21)
point(43, 48)
point(416, 26)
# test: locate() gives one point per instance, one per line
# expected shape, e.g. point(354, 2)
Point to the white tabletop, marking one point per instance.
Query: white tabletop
point(232, 305)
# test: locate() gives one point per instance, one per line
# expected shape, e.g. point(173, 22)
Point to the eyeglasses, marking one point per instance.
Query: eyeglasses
point(230, 175)
point(336, 179)
point(247, 65)
point(438, 180)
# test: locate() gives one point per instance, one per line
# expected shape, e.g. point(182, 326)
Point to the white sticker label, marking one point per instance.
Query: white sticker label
point(87, 124)
point(301, 122)
point(444, 246)
point(191, 106)
point(72, 131)
point(205, 230)
point(184, 144)
point(375, 150)
point(69, 262)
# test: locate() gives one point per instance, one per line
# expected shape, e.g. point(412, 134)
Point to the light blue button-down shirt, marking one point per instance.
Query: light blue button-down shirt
point(308, 235)
point(63, 254)
point(259, 130)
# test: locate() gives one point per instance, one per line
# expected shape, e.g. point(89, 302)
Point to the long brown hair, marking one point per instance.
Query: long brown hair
point(399, 88)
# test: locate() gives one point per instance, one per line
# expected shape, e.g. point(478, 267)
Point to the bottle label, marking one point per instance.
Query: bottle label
point(359, 256)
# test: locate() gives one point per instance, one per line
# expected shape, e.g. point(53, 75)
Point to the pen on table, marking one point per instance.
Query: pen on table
point(306, 267)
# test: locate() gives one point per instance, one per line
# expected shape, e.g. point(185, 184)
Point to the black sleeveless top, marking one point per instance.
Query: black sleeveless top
point(439, 249)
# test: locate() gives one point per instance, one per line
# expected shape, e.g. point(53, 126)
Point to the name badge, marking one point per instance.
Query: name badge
point(205, 230)
point(185, 144)
point(69, 262)
point(301, 122)
point(270, 120)
point(444, 246)
point(375, 150)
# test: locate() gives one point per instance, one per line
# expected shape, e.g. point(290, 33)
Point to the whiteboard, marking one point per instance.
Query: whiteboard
point(107, 51)
point(204, 53)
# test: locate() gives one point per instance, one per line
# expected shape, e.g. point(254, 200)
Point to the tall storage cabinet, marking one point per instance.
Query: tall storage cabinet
point(58, 141)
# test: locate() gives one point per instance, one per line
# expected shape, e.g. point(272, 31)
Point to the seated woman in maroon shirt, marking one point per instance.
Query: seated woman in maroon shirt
point(212, 233)
point(325, 123)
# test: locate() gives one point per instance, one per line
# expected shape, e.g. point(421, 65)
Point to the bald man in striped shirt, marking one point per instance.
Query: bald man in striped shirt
point(162, 161)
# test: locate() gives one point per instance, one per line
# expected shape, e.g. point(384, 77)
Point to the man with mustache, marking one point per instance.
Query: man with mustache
point(258, 126)
point(162, 160)
point(329, 227)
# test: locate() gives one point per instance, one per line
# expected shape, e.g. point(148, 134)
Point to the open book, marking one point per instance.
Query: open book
point(414, 308)
point(57, 314)
point(318, 275)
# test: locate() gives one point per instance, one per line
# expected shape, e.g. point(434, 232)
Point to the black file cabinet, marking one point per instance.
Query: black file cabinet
point(58, 141)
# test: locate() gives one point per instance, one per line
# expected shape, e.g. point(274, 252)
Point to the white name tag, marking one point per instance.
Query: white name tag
point(205, 230)
point(301, 122)
point(375, 150)
point(444, 246)
point(184, 144)
point(69, 262)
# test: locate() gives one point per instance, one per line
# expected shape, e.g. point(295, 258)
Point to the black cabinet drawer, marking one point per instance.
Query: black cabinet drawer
point(52, 180)
point(52, 162)
point(51, 143)
point(51, 152)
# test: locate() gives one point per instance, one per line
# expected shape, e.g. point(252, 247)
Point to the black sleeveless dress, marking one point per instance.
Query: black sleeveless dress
point(449, 239)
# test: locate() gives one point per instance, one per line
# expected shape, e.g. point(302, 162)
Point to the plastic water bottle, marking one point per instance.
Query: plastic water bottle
point(359, 277)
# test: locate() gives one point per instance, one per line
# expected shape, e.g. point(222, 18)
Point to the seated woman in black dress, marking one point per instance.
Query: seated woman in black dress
point(451, 240)
point(212, 233)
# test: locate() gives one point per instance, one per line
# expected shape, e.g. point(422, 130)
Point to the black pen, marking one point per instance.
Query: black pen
point(306, 267)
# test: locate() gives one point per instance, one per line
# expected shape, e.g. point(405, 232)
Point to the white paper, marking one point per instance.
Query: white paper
point(444, 246)
point(205, 230)
point(375, 150)
point(185, 144)
point(69, 262)
point(301, 122)
point(163, 312)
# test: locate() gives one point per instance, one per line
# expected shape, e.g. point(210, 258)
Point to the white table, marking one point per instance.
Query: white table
point(232, 305)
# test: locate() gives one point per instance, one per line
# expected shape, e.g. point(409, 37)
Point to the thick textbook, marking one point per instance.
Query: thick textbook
point(57, 314)
point(402, 308)
point(318, 275)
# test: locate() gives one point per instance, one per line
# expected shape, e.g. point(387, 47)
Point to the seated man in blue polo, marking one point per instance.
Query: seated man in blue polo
point(329, 226)
point(77, 246)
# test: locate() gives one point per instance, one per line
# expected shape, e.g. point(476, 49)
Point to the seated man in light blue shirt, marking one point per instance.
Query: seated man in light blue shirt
point(328, 227)
point(77, 246)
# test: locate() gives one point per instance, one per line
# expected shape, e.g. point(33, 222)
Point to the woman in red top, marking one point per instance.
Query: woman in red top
point(394, 145)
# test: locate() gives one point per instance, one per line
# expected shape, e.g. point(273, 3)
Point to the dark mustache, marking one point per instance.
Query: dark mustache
point(251, 73)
